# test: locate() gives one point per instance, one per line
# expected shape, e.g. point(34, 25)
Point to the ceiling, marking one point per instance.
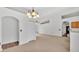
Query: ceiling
point(46, 11)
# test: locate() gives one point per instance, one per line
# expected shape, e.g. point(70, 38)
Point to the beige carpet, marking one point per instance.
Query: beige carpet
point(0, 47)
point(44, 43)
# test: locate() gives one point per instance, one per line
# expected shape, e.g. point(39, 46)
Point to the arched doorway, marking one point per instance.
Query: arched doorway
point(10, 31)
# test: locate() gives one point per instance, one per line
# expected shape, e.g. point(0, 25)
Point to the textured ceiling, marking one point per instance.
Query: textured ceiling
point(46, 11)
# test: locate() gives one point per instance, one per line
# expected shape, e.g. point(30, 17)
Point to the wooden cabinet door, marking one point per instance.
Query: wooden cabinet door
point(75, 24)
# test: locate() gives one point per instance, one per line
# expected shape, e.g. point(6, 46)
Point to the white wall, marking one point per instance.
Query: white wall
point(28, 32)
point(10, 29)
point(63, 29)
point(0, 32)
point(54, 27)
point(22, 18)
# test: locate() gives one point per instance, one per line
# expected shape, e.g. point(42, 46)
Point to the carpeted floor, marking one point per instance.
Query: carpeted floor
point(44, 43)
point(0, 47)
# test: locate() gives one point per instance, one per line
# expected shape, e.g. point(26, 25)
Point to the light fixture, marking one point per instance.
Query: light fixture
point(32, 13)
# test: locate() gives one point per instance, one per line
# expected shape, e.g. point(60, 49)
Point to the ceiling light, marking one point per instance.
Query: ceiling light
point(32, 13)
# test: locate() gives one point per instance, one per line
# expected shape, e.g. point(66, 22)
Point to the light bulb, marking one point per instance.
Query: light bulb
point(28, 14)
point(37, 15)
point(33, 13)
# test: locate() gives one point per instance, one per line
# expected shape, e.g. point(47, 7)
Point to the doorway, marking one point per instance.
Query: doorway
point(66, 29)
point(10, 32)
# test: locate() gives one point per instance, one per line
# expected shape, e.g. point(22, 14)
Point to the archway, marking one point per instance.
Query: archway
point(10, 31)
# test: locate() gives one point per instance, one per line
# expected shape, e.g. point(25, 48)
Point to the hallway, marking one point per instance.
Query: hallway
point(44, 43)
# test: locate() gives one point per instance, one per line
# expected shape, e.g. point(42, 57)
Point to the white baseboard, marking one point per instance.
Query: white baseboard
point(21, 43)
point(8, 42)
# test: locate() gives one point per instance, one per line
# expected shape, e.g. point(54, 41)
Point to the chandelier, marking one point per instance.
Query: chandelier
point(32, 13)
